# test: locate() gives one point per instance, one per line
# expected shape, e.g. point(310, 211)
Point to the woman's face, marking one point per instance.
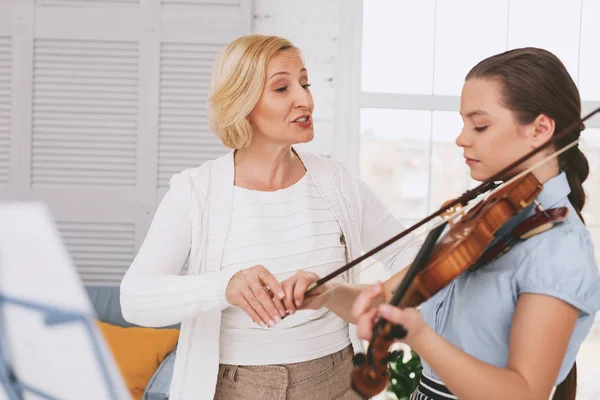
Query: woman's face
point(283, 114)
point(491, 137)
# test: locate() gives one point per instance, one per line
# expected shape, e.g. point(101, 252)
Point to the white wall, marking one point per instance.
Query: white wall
point(313, 26)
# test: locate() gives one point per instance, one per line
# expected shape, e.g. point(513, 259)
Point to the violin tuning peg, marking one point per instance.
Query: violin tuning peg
point(397, 332)
point(359, 359)
point(392, 356)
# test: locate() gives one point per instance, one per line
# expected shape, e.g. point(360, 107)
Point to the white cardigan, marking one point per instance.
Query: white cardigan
point(191, 223)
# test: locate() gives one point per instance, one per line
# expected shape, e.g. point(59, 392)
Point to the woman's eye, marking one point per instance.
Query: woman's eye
point(281, 89)
point(306, 85)
point(480, 128)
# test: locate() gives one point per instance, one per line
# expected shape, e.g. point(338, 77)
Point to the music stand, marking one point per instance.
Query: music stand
point(50, 347)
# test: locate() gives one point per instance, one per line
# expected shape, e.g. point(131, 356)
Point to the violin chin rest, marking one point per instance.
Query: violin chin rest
point(537, 230)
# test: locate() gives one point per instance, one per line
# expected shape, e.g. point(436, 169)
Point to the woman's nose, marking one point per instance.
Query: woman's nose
point(303, 98)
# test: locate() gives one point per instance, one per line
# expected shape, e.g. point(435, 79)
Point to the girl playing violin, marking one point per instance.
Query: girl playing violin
point(510, 329)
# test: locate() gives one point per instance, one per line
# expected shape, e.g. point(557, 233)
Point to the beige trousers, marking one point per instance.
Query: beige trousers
point(326, 378)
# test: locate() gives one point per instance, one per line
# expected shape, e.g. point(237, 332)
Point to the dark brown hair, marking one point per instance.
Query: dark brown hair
point(534, 81)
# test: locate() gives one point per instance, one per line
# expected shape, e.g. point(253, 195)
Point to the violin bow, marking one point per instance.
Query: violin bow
point(463, 200)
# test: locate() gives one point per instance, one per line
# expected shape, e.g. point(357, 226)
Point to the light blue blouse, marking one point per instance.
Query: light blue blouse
point(475, 311)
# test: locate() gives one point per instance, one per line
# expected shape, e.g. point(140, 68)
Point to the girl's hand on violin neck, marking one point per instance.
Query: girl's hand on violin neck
point(409, 318)
point(367, 315)
point(363, 308)
point(256, 291)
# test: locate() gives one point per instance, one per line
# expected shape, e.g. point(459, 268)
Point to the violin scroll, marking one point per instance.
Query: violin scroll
point(371, 374)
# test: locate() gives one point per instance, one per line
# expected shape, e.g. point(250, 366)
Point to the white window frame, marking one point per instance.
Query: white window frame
point(350, 98)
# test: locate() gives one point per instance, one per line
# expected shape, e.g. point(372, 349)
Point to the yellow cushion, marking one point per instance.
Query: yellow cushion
point(138, 352)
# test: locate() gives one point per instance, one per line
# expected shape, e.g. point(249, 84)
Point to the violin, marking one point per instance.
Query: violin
point(453, 247)
point(440, 260)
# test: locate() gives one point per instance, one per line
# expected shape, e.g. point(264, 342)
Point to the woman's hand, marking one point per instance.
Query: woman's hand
point(367, 315)
point(256, 291)
point(296, 286)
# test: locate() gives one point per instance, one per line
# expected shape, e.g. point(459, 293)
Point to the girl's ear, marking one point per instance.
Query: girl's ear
point(543, 129)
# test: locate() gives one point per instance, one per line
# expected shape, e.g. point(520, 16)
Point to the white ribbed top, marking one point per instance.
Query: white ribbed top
point(284, 230)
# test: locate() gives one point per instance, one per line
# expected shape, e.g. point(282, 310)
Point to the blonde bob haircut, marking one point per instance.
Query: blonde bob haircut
point(237, 82)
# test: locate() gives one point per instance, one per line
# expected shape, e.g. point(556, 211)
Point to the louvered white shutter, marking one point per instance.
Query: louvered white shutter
point(184, 137)
point(5, 107)
point(101, 102)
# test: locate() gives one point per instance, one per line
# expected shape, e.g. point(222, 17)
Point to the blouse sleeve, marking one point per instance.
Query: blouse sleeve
point(153, 293)
point(562, 265)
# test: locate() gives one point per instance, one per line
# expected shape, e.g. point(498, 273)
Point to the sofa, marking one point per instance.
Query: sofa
point(106, 302)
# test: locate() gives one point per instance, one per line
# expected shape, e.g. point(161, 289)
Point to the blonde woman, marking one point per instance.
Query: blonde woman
point(257, 226)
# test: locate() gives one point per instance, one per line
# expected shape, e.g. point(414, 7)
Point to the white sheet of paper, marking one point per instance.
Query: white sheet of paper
point(35, 266)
